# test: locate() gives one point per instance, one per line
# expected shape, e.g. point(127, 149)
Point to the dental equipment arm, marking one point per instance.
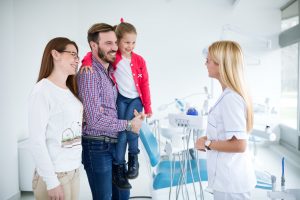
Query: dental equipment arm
point(180, 103)
point(266, 134)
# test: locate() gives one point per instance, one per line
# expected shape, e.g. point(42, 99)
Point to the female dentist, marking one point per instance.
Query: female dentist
point(230, 171)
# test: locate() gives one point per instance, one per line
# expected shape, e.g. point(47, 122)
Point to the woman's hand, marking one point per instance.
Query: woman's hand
point(200, 143)
point(56, 193)
point(232, 145)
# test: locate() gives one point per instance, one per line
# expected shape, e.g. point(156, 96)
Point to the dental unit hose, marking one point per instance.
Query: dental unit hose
point(273, 179)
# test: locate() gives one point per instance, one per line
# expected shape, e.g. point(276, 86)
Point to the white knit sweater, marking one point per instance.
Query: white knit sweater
point(55, 119)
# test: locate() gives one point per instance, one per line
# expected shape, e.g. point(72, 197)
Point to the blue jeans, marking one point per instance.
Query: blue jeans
point(125, 108)
point(97, 158)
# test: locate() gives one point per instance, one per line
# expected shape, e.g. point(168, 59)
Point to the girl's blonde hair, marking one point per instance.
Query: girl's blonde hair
point(228, 55)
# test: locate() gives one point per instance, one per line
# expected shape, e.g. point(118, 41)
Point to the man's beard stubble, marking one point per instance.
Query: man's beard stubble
point(104, 56)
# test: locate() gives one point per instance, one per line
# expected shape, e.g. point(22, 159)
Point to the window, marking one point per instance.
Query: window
point(289, 70)
point(289, 15)
point(289, 86)
point(288, 23)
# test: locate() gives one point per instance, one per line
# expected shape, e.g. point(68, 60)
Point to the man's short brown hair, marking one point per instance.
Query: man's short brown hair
point(93, 32)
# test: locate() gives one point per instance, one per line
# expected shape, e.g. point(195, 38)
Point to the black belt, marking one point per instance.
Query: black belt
point(104, 138)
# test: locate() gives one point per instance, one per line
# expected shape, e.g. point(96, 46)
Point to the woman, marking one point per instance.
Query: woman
point(230, 171)
point(55, 118)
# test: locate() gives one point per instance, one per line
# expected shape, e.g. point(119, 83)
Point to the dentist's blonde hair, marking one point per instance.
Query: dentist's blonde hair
point(229, 56)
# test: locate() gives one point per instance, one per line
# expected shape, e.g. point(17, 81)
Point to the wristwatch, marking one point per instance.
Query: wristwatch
point(129, 125)
point(206, 144)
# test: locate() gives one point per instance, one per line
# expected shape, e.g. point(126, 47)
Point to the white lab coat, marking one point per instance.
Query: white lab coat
point(229, 172)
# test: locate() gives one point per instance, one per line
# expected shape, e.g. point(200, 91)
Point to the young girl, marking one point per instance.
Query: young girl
point(55, 117)
point(230, 171)
point(131, 77)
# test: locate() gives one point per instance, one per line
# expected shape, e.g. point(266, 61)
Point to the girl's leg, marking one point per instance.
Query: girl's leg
point(132, 139)
point(119, 164)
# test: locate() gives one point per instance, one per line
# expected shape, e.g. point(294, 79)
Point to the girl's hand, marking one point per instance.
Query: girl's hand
point(149, 115)
point(86, 69)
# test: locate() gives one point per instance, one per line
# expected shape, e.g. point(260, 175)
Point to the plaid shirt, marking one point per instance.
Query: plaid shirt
point(98, 94)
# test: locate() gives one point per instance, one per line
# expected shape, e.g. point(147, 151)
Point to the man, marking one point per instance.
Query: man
point(101, 125)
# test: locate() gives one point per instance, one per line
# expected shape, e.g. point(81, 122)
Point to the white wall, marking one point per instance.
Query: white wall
point(171, 36)
point(8, 86)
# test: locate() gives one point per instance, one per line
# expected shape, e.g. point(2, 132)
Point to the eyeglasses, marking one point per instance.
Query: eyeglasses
point(74, 54)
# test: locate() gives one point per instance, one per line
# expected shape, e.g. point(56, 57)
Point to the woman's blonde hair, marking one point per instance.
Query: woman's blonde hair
point(229, 56)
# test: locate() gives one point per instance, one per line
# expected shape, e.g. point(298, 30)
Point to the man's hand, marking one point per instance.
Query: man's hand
point(137, 114)
point(86, 69)
point(56, 193)
point(136, 122)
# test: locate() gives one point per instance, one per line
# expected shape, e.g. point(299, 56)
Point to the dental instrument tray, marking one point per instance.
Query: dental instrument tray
point(189, 121)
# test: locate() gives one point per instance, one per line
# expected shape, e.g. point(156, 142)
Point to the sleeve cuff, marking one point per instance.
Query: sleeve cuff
point(51, 182)
point(147, 109)
point(240, 135)
point(123, 125)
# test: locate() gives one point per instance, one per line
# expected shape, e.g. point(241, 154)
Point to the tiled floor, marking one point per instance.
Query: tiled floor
point(268, 158)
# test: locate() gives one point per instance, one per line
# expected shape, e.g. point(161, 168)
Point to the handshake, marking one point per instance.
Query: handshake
point(135, 124)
